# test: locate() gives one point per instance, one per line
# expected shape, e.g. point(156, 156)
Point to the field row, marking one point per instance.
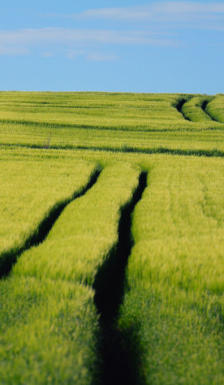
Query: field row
point(141, 123)
point(207, 143)
point(74, 292)
point(174, 308)
point(129, 112)
point(48, 301)
point(31, 195)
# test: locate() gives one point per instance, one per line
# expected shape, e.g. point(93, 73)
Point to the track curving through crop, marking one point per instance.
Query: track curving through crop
point(117, 363)
point(9, 258)
point(204, 108)
point(179, 106)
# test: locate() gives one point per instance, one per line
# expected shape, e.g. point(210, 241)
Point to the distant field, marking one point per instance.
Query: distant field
point(111, 239)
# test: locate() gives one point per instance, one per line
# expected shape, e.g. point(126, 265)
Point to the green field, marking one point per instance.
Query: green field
point(111, 239)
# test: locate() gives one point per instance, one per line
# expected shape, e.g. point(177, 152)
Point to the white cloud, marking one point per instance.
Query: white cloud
point(47, 54)
point(136, 13)
point(72, 40)
point(74, 36)
point(167, 12)
point(74, 53)
point(90, 56)
point(13, 50)
point(100, 57)
point(154, 25)
point(188, 7)
point(155, 22)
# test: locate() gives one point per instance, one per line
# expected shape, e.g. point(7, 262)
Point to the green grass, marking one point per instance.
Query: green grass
point(174, 304)
point(86, 231)
point(129, 112)
point(48, 332)
point(215, 108)
point(29, 192)
point(171, 320)
point(193, 109)
point(118, 121)
point(48, 320)
point(96, 110)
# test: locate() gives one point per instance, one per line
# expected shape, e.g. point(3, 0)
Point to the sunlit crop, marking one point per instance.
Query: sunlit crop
point(111, 239)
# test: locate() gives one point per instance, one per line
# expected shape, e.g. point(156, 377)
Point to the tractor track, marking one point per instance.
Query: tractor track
point(117, 363)
point(9, 258)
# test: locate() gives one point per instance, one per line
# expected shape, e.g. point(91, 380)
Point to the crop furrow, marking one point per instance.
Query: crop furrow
point(128, 149)
point(179, 107)
point(204, 108)
point(9, 258)
point(75, 126)
point(117, 364)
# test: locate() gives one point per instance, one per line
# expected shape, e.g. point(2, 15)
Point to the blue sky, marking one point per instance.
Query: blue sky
point(119, 45)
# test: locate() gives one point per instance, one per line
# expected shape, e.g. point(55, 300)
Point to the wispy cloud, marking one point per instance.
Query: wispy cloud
point(96, 56)
point(75, 36)
point(73, 40)
point(151, 24)
point(47, 54)
point(13, 50)
point(186, 12)
point(100, 57)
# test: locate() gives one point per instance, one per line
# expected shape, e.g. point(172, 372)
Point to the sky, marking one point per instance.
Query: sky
point(117, 46)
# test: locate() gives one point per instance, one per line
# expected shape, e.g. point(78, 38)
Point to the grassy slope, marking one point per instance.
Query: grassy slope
point(193, 109)
point(174, 305)
point(215, 108)
point(47, 332)
point(30, 189)
point(85, 232)
point(173, 313)
point(95, 110)
point(178, 306)
point(142, 121)
point(48, 320)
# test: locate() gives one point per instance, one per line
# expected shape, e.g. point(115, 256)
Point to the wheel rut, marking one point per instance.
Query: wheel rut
point(204, 108)
point(9, 258)
point(117, 364)
point(134, 150)
point(179, 106)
